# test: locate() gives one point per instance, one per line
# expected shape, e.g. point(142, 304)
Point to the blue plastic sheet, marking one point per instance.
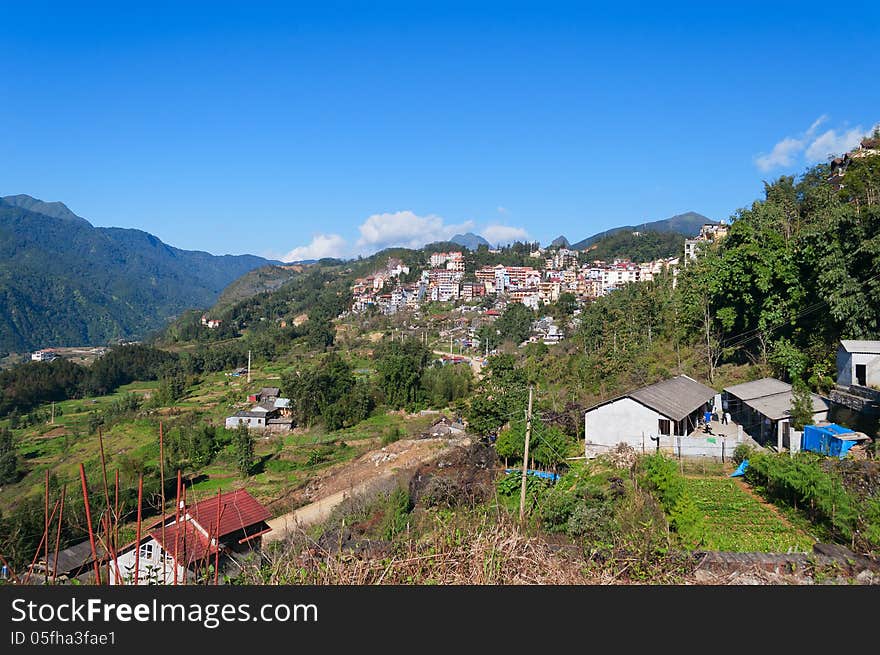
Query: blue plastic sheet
point(741, 469)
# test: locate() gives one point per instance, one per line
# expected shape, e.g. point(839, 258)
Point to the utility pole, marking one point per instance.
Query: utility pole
point(53, 412)
point(522, 492)
point(249, 367)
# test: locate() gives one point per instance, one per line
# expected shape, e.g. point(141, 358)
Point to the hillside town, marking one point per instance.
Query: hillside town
point(557, 270)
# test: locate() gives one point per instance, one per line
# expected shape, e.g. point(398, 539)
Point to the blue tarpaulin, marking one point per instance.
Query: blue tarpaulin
point(741, 469)
point(834, 440)
point(553, 477)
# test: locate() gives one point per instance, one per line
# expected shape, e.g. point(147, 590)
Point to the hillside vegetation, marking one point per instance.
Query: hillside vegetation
point(64, 282)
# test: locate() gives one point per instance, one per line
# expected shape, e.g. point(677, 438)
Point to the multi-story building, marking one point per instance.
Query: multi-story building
point(710, 232)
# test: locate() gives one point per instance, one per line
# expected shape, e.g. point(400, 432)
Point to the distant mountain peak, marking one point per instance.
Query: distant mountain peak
point(470, 241)
point(53, 209)
point(560, 242)
point(688, 224)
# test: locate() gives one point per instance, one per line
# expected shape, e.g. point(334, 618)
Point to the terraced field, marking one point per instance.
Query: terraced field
point(739, 522)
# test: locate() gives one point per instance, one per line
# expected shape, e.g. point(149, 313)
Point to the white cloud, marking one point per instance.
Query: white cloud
point(783, 154)
point(788, 151)
point(405, 229)
point(322, 245)
point(502, 210)
point(832, 143)
point(503, 234)
point(816, 123)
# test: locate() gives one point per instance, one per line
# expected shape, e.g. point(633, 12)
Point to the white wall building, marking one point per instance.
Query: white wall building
point(858, 362)
point(664, 410)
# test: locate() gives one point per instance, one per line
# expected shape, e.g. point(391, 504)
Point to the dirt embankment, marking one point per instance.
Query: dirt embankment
point(372, 473)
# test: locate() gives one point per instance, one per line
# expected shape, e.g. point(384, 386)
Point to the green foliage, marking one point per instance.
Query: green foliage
point(515, 323)
point(662, 476)
point(63, 281)
point(391, 435)
point(548, 445)
point(401, 365)
point(8, 458)
point(500, 397)
point(741, 452)
point(327, 391)
point(802, 482)
point(644, 247)
point(801, 405)
point(396, 515)
point(445, 384)
point(243, 443)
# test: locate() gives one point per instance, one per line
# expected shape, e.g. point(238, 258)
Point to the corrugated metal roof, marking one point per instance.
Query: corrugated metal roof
point(855, 346)
point(758, 388)
point(778, 406)
point(238, 510)
point(186, 540)
point(75, 557)
point(674, 398)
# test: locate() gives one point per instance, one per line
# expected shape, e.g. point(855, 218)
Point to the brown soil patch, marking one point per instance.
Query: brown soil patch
point(60, 431)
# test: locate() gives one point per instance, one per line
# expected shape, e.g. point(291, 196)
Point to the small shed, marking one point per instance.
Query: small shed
point(858, 363)
point(832, 439)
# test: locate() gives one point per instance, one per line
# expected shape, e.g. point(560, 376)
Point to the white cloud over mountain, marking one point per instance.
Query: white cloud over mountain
point(405, 229)
point(503, 234)
point(322, 245)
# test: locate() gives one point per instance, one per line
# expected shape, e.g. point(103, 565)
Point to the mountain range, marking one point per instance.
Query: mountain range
point(470, 241)
point(688, 224)
point(65, 282)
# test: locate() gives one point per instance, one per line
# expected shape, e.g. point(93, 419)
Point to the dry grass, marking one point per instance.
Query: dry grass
point(486, 550)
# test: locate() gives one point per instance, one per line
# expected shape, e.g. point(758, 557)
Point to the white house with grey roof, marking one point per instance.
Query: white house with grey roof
point(664, 410)
point(761, 405)
point(858, 363)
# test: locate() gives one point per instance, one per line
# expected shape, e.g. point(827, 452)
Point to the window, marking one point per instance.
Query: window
point(147, 550)
point(663, 426)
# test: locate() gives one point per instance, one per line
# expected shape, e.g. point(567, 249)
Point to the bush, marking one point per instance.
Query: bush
point(396, 515)
point(742, 452)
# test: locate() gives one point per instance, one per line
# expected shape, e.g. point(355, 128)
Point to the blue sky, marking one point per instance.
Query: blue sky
point(337, 129)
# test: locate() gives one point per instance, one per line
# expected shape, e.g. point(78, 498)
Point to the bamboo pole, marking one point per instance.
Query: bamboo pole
point(58, 536)
point(137, 539)
point(108, 530)
point(82, 476)
point(116, 513)
point(217, 543)
point(45, 538)
point(46, 529)
point(162, 482)
point(176, 525)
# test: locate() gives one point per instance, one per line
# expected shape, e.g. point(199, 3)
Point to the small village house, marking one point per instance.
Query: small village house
point(763, 407)
point(665, 409)
point(191, 543)
point(44, 355)
point(858, 363)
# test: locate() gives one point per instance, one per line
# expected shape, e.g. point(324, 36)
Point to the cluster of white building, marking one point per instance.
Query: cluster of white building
point(563, 272)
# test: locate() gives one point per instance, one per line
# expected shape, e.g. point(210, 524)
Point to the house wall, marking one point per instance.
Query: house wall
point(622, 420)
point(150, 569)
point(253, 423)
point(846, 367)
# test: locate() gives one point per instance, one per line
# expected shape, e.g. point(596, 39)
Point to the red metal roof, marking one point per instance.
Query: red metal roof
point(238, 510)
point(186, 540)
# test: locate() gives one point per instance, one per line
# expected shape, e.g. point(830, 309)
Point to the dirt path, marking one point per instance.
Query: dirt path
point(475, 363)
point(373, 472)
